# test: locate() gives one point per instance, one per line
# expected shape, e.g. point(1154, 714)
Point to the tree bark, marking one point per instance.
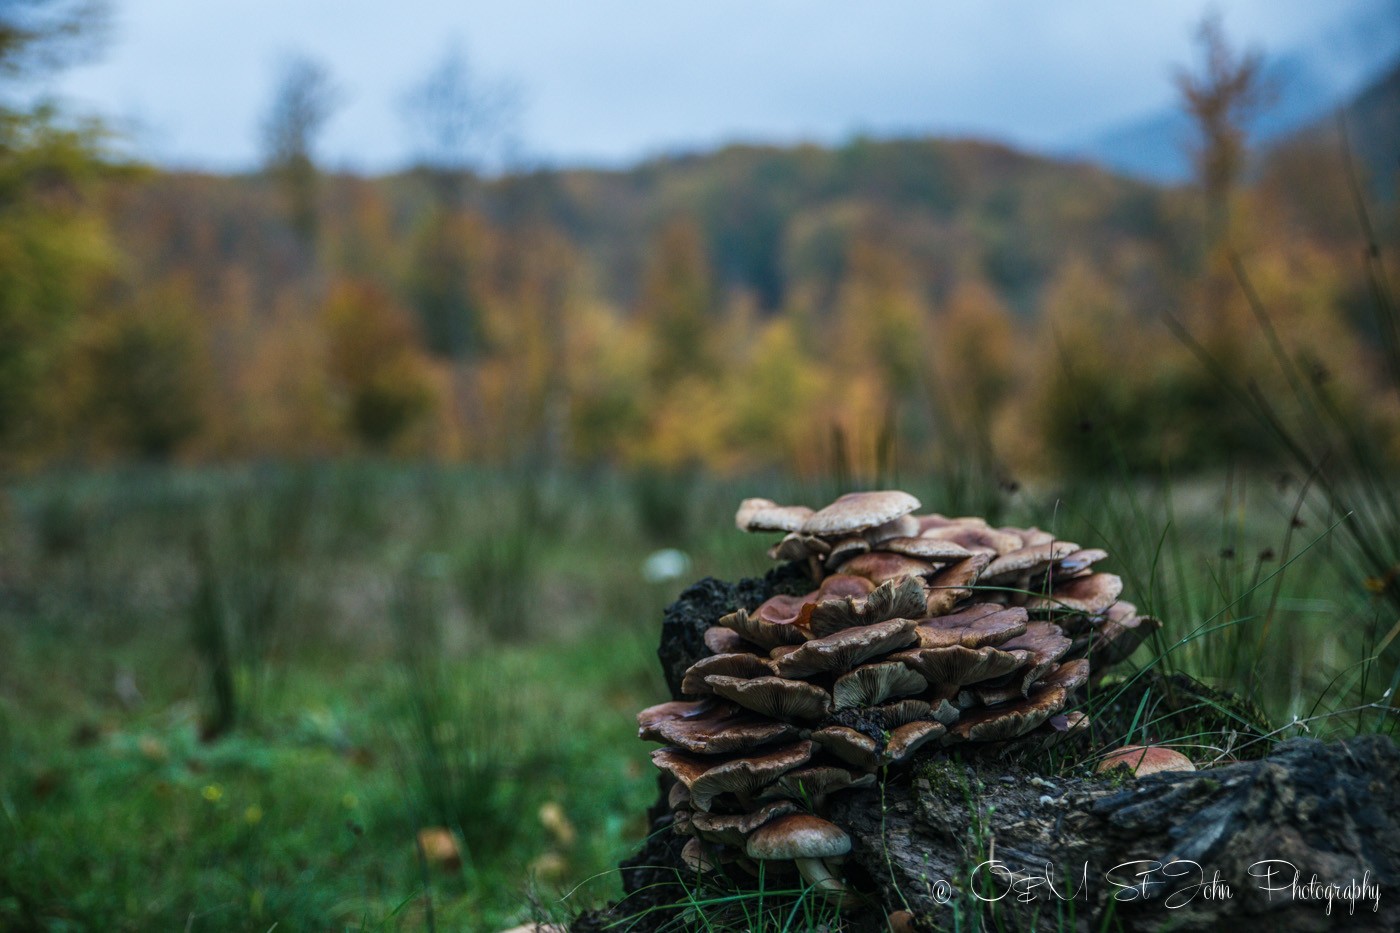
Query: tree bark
point(1304, 839)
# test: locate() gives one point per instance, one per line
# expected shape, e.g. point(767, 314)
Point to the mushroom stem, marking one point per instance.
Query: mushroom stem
point(815, 873)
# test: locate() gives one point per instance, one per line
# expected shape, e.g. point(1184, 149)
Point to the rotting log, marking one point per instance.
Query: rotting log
point(1307, 838)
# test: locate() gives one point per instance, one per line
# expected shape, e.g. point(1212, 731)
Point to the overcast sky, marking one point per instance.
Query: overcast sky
point(611, 81)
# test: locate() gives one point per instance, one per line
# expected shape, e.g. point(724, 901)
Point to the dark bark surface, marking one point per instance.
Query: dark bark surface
point(1081, 853)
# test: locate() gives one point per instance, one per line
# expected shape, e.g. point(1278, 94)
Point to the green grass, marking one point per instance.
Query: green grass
point(229, 699)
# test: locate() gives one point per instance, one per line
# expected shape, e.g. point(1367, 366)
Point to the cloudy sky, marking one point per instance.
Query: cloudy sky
point(611, 81)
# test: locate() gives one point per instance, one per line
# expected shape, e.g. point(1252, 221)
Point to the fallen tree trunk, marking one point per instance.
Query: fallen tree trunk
point(1306, 838)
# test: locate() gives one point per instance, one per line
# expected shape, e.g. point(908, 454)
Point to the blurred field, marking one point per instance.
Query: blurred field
point(230, 699)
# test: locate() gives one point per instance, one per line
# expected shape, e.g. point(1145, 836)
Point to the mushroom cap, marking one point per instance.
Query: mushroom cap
point(1089, 595)
point(767, 515)
point(901, 598)
point(844, 549)
point(695, 857)
point(901, 527)
point(951, 584)
point(1081, 560)
point(1028, 559)
point(956, 666)
point(847, 648)
point(763, 632)
point(721, 640)
point(904, 712)
point(737, 664)
point(733, 828)
point(999, 723)
point(710, 728)
point(707, 778)
point(857, 511)
point(1046, 643)
point(774, 696)
point(1114, 640)
point(797, 546)
point(880, 566)
point(849, 745)
point(872, 684)
point(811, 783)
point(908, 738)
point(973, 627)
point(798, 835)
point(930, 549)
point(975, 536)
point(1146, 759)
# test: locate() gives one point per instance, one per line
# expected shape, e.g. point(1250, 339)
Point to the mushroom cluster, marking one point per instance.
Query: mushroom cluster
point(921, 631)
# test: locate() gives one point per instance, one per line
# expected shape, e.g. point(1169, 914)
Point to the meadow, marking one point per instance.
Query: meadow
point(230, 698)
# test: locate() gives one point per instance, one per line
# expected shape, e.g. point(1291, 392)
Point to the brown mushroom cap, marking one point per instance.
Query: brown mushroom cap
point(902, 598)
point(1046, 644)
point(955, 666)
point(999, 723)
point(844, 549)
point(1080, 560)
point(697, 858)
point(738, 664)
point(973, 627)
point(975, 536)
point(774, 696)
point(1089, 595)
point(1146, 759)
point(952, 584)
point(761, 631)
point(734, 828)
point(935, 550)
point(849, 745)
point(880, 566)
point(872, 684)
point(798, 836)
point(710, 728)
point(857, 511)
point(767, 515)
point(1115, 639)
point(721, 640)
point(904, 712)
point(707, 778)
point(908, 738)
point(847, 648)
point(812, 783)
point(902, 527)
point(1036, 558)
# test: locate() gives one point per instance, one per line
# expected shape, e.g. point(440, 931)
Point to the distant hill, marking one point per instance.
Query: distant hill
point(1373, 131)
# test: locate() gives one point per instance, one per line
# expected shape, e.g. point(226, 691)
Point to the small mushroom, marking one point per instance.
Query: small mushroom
point(858, 511)
point(710, 728)
point(806, 840)
point(1033, 559)
point(1146, 759)
point(936, 550)
point(767, 515)
point(764, 632)
point(778, 697)
point(707, 778)
point(849, 745)
point(811, 784)
point(999, 723)
point(952, 583)
point(737, 664)
point(846, 648)
point(696, 857)
point(901, 598)
point(907, 739)
point(1089, 595)
point(879, 566)
point(734, 828)
point(973, 627)
point(956, 666)
point(872, 684)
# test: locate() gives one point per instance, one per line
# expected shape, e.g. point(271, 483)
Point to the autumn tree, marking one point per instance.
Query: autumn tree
point(55, 248)
point(678, 304)
point(1222, 96)
point(302, 103)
